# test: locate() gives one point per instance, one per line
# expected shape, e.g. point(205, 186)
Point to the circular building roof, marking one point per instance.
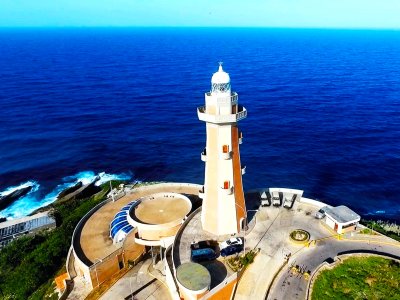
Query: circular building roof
point(193, 277)
point(161, 208)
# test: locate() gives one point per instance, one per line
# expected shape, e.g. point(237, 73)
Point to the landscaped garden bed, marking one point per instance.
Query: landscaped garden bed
point(370, 277)
point(299, 236)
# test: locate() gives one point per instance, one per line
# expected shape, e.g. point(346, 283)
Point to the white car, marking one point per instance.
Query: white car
point(231, 242)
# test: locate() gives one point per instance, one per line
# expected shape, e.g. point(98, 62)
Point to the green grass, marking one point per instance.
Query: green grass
point(383, 228)
point(369, 277)
point(367, 231)
point(29, 264)
point(238, 262)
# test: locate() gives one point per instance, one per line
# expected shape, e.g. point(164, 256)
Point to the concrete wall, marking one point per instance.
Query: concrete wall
point(347, 229)
point(113, 263)
point(157, 234)
point(101, 271)
point(330, 222)
point(82, 269)
point(224, 290)
point(186, 188)
point(169, 277)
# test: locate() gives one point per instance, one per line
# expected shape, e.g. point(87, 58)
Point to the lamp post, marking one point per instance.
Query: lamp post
point(111, 191)
point(245, 226)
point(137, 281)
point(245, 229)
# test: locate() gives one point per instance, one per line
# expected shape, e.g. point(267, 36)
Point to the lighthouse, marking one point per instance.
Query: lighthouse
point(224, 209)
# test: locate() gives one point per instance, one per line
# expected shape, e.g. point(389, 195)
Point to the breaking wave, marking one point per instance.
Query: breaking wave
point(33, 200)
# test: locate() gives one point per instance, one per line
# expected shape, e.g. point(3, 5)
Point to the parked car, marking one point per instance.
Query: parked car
point(201, 255)
point(320, 214)
point(231, 250)
point(231, 242)
point(205, 244)
point(276, 200)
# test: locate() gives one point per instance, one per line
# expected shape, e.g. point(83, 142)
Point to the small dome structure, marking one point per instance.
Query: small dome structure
point(220, 81)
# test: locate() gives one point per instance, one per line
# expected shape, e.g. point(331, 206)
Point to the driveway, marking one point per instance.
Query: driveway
point(271, 236)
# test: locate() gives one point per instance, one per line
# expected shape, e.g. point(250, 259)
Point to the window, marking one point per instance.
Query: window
point(226, 184)
point(225, 148)
point(220, 87)
point(234, 109)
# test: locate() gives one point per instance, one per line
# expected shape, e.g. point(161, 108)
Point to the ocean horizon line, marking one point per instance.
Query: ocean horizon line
point(200, 27)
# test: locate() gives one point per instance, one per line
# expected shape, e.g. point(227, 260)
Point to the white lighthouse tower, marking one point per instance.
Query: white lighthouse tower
point(224, 209)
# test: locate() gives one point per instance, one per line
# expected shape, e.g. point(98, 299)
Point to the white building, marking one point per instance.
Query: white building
point(341, 218)
point(12, 229)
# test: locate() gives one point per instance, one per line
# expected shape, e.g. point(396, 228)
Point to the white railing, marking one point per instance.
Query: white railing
point(201, 192)
point(204, 155)
point(231, 118)
point(243, 170)
point(232, 99)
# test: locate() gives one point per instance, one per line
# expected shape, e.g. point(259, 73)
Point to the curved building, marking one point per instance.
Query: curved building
point(158, 217)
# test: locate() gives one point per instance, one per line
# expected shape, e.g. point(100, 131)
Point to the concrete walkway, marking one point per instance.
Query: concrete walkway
point(80, 290)
point(271, 236)
point(137, 284)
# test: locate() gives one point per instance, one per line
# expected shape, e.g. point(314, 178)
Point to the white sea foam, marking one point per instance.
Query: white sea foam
point(33, 201)
point(9, 190)
point(105, 177)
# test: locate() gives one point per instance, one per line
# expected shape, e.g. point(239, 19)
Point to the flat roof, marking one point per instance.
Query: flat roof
point(342, 214)
point(162, 209)
point(44, 214)
point(193, 276)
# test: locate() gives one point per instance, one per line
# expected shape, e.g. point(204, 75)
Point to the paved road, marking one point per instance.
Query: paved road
point(290, 286)
point(271, 236)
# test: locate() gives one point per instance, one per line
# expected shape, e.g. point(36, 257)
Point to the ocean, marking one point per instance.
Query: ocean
point(323, 109)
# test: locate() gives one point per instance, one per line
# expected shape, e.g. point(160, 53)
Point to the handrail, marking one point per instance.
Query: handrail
point(232, 98)
point(231, 118)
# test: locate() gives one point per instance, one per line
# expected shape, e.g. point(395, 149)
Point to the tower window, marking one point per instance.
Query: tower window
point(234, 109)
point(225, 148)
point(226, 184)
point(220, 87)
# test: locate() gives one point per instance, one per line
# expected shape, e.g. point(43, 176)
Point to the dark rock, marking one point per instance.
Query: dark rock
point(70, 190)
point(15, 195)
point(85, 191)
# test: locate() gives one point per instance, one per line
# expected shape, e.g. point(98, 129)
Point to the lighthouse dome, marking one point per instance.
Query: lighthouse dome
point(220, 81)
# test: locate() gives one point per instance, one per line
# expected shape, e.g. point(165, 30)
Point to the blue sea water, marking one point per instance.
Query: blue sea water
point(323, 109)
